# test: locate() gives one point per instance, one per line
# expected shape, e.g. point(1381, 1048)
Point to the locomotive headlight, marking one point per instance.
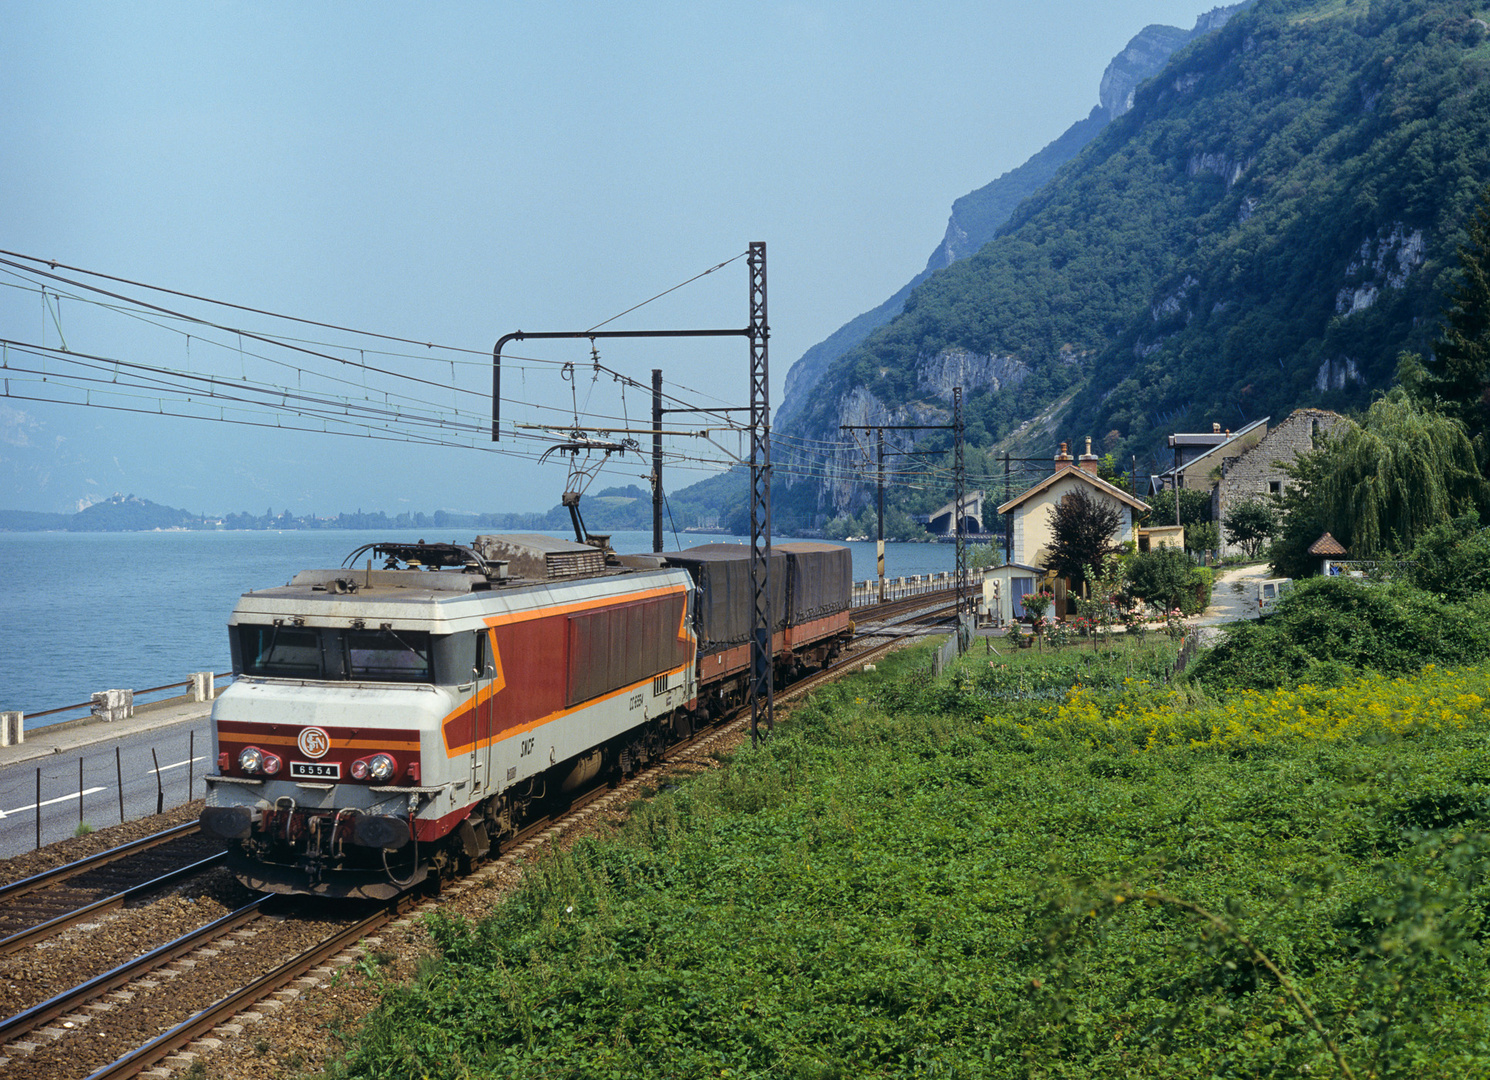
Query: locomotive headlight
point(378, 768)
point(271, 764)
point(251, 760)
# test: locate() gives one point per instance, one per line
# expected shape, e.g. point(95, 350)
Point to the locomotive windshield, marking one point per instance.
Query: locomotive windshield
point(299, 652)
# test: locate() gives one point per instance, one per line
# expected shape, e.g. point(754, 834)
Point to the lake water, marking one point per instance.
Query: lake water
point(81, 612)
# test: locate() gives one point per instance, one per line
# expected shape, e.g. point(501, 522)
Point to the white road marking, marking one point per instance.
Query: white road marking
point(60, 799)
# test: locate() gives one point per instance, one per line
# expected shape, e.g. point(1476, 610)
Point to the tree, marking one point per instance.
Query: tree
point(1459, 367)
point(1166, 578)
point(1252, 524)
point(1081, 534)
point(1380, 485)
point(1195, 507)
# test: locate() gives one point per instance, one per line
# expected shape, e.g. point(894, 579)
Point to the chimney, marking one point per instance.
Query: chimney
point(1088, 460)
point(1215, 429)
point(1063, 458)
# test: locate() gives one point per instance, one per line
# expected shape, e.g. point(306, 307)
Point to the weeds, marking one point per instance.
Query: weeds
point(908, 881)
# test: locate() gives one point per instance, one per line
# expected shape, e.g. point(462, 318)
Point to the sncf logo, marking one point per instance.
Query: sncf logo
point(313, 742)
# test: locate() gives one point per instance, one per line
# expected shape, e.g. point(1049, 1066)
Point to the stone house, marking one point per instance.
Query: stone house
point(1258, 471)
point(1198, 455)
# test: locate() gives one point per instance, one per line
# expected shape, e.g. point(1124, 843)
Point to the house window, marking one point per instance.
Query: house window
point(1275, 487)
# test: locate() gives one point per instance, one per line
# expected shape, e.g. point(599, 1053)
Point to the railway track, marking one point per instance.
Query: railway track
point(127, 1019)
point(45, 904)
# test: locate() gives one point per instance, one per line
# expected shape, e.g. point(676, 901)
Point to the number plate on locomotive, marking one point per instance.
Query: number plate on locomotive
point(315, 770)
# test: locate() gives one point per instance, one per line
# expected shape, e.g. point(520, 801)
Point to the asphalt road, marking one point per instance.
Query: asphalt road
point(178, 741)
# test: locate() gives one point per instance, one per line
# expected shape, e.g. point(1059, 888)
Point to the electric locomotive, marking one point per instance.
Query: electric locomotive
point(388, 725)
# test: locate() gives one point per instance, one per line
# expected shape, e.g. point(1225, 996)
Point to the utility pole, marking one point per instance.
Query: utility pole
point(761, 690)
point(1009, 517)
point(879, 430)
point(958, 502)
point(880, 546)
point(657, 460)
point(960, 479)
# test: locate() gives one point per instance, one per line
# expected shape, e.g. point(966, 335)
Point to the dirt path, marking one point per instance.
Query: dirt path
point(1233, 598)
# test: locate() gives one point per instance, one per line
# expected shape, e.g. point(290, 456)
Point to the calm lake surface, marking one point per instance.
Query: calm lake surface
point(81, 612)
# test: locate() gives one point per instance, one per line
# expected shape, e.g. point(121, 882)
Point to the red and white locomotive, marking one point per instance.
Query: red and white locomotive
point(390, 724)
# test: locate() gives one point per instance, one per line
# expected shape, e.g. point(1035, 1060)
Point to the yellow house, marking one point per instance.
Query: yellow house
point(1033, 510)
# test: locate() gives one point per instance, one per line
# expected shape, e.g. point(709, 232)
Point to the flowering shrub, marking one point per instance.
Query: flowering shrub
point(1144, 716)
point(1036, 604)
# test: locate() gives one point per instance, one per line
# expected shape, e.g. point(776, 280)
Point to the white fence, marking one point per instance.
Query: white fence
point(901, 588)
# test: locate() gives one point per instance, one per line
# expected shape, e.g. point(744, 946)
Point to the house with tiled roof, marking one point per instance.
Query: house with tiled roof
point(1030, 532)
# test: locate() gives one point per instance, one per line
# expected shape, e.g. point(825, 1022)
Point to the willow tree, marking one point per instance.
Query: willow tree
point(1381, 484)
point(1403, 470)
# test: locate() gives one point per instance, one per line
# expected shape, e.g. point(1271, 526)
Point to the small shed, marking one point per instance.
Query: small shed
point(1004, 589)
point(1327, 549)
point(1161, 536)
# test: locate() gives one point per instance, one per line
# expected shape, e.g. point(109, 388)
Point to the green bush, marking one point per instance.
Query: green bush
point(1167, 578)
point(1326, 629)
point(1452, 560)
point(893, 887)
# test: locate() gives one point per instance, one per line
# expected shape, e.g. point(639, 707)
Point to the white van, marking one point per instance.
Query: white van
point(1269, 591)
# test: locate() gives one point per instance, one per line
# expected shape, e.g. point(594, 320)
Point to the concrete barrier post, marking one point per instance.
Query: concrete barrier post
point(203, 686)
point(110, 705)
point(12, 728)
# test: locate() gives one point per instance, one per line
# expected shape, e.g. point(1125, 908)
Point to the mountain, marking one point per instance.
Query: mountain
point(118, 513)
point(1267, 227)
point(976, 216)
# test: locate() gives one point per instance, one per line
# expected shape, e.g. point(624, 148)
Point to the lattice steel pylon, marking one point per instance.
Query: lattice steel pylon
point(762, 695)
point(960, 480)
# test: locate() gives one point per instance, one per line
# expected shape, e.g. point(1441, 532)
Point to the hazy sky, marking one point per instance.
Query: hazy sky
point(448, 173)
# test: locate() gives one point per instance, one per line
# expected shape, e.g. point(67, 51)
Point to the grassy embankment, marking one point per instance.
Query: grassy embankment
point(993, 874)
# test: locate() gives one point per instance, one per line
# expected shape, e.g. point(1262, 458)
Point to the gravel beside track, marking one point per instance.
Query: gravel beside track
point(33, 975)
point(17, 867)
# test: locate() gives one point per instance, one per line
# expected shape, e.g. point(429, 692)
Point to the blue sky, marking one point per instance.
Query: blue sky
point(448, 173)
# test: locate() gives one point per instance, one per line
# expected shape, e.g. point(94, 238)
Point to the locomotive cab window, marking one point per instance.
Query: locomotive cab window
point(305, 652)
point(388, 655)
point(288, 651)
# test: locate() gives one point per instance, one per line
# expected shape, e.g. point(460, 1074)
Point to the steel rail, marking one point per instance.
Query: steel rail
point(70, 1000)
point(141, 1058)
point(44, 930)
point(58, 874)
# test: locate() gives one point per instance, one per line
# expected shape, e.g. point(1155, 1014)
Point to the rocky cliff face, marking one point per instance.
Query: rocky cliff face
point(978, 215)
point(1143, 57)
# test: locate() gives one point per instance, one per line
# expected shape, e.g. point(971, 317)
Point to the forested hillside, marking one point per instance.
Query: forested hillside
point(977, 216)
point(1271, 223)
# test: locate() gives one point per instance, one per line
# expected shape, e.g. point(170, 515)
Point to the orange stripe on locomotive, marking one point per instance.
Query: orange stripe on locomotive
point(570, 656)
